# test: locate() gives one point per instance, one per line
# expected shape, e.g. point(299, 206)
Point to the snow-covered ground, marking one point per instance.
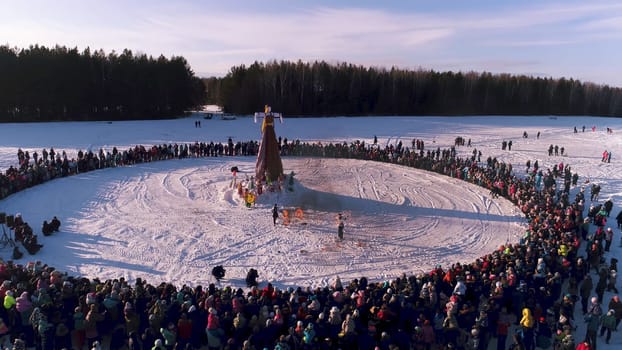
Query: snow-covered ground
point(175, 220)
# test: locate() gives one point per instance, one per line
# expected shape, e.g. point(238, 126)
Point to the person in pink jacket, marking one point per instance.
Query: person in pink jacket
point(215, 334)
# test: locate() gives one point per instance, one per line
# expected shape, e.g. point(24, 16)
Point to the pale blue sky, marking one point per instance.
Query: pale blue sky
point(565, 38)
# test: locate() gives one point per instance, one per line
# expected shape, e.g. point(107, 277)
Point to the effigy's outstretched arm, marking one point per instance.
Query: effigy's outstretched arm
point(263, 115)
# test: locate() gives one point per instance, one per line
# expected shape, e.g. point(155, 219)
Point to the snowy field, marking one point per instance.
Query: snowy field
point(174, 220)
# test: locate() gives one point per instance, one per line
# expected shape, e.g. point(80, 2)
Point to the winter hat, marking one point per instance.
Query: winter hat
point(610, 312)
point(91, 298)
point(562, 318)
point(128, 306)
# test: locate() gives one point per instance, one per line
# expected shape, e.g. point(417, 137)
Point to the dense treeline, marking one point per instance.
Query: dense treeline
point(320, 88)
point(42, 84)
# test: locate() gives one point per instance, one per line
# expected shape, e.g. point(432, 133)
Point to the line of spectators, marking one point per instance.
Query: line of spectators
point(533, 284)
point(53, 165)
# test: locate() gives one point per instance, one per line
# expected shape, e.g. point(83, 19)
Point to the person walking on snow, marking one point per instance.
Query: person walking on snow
point(275, 214)
point(608, 324)
point(608, 205)
point(340, 226)
point(340, 230)
point(608, 238)
point(619, 219)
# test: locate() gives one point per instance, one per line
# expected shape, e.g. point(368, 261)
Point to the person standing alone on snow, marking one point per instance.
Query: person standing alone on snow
point(340, 219)
point(275, 214)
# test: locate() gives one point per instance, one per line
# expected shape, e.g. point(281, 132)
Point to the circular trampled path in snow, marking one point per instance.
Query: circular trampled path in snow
point(174, 221)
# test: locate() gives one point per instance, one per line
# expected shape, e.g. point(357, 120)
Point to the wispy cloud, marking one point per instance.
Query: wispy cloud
point(613, 23)
point(531, 43)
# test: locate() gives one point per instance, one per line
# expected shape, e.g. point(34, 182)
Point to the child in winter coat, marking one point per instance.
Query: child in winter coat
point(309, 335)
point(611, 285)
point(9, 300)
point(527, 324)
point(473, 342)
point(93, 317)
point(584, 345)
point(347, 327)
point(170, 336)
point(429, 338)
point(78, 333)
point(215, 334)
point(62, 335)
point(300, 329)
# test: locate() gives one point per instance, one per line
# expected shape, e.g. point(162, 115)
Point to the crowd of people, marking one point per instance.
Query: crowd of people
point(530, 286)
point(25, 235)
point(36, 169)
point(556, 150)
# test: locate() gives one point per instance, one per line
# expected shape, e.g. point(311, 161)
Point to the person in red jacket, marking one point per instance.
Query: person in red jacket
point(184, 330)
point(215, 334)
point(584, 345)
